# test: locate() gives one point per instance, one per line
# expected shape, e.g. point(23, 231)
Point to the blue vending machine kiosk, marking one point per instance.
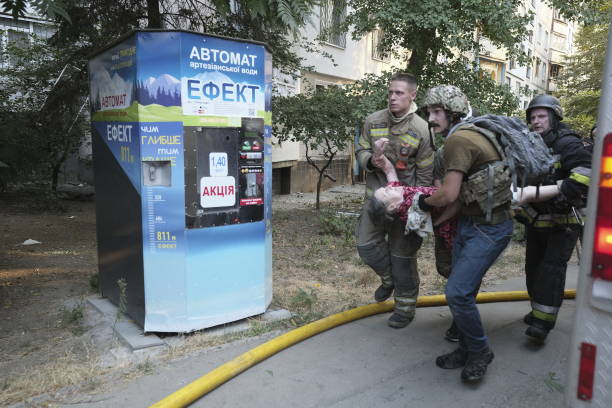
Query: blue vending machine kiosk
point(181, 129)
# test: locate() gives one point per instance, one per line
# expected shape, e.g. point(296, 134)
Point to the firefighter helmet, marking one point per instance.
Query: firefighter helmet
point(546, 102)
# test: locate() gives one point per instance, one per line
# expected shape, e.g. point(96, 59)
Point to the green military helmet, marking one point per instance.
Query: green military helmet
point(449, 97)
point(547, 102)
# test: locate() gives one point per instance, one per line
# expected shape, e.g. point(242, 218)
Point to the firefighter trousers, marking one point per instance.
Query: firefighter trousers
point(547, 252)
point(392, 255)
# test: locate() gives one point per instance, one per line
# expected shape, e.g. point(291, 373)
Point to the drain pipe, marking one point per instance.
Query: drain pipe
point(208, 382)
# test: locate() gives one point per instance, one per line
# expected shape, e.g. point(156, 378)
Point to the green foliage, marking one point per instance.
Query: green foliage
point(276, 22)
point(40, 124)
point(518, 232)
point(49, 8)
point(323, 120)
point(553, 382)
point(584, 11)
point(291, 15)
point(37, 94)
point(74, 314)
point(484, 94)
point(433, 28)
point(304, 299)
point(122, 307)
point(338, 225)
point(581, 124)
point(303, 306)
point(72, 318)
point(94, 282)
point(580, 82)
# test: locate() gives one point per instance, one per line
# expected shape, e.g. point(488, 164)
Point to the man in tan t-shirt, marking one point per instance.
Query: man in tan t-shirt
point(468, 154)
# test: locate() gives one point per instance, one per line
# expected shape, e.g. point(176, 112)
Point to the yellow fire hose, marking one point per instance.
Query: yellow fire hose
point(227, 371)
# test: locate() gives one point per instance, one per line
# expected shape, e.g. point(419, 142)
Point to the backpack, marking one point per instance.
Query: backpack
point(527, 156)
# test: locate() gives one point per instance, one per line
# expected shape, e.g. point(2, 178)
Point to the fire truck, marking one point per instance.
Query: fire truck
point(590, 358)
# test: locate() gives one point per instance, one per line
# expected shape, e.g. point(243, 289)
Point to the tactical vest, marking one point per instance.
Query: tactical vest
point(489, 185)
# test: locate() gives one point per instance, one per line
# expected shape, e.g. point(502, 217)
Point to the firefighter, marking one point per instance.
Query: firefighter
point(553, 226)
point(477, 176)
point(383, 245)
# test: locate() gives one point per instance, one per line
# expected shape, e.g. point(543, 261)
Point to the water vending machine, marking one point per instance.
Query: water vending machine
point(181, 129)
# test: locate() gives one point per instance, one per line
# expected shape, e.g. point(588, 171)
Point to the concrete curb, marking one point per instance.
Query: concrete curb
point(136, 339)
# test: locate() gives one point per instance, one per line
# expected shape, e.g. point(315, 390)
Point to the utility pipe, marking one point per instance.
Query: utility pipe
point(208, 382)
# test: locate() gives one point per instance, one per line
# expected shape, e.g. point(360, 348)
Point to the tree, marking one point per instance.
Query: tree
point(323, 120)
point(484, 94)
point(41, 126)
point(48, 8)
point(431, 29)
point(25, 88)
point(275, 22)
point(581, 79)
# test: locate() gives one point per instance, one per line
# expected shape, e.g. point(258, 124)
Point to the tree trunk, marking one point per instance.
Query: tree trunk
point(420, 56)
point(321, 171)
point(320, 181)
point(153, 14)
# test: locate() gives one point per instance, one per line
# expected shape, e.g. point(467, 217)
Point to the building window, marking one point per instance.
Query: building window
point(555, 70)
point(18, 39)
point(559, 42)
point(17, 33)
point(512, 63)
point(537, 67)
point(376, 40)
point(539, 33)
point(528, 73)
point(509, 82)
point(333, 14)
point(557, 15)
point(545, 39)
point(543, 71)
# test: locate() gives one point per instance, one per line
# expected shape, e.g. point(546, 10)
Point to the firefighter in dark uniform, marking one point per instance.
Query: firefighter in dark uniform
point(384, 246)
point(553, 226)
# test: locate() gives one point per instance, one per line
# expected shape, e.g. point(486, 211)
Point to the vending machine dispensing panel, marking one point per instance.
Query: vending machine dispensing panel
point(224, 174)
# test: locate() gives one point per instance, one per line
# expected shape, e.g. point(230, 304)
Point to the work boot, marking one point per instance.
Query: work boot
point(454, 359)
point(538, 329)
point(476, 364)
point(383, 293)
point(528, 319)
point(399, 321)
point(453, 333)
point(537, 333)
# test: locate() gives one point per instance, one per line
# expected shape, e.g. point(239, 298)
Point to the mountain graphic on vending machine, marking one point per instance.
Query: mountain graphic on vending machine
point(164, 90)
point(105, 88)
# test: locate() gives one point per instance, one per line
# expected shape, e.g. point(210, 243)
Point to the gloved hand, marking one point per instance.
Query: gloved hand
point(423, 206)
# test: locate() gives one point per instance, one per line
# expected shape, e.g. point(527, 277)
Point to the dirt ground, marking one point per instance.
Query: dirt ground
point(49, 340)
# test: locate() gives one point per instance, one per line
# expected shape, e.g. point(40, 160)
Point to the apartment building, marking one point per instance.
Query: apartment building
point(551, 40)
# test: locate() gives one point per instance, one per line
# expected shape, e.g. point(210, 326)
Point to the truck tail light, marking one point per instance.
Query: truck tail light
point(602, 248)
point(587, 371)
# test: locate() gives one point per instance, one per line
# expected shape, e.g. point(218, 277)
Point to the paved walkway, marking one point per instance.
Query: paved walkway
point(367, 364)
